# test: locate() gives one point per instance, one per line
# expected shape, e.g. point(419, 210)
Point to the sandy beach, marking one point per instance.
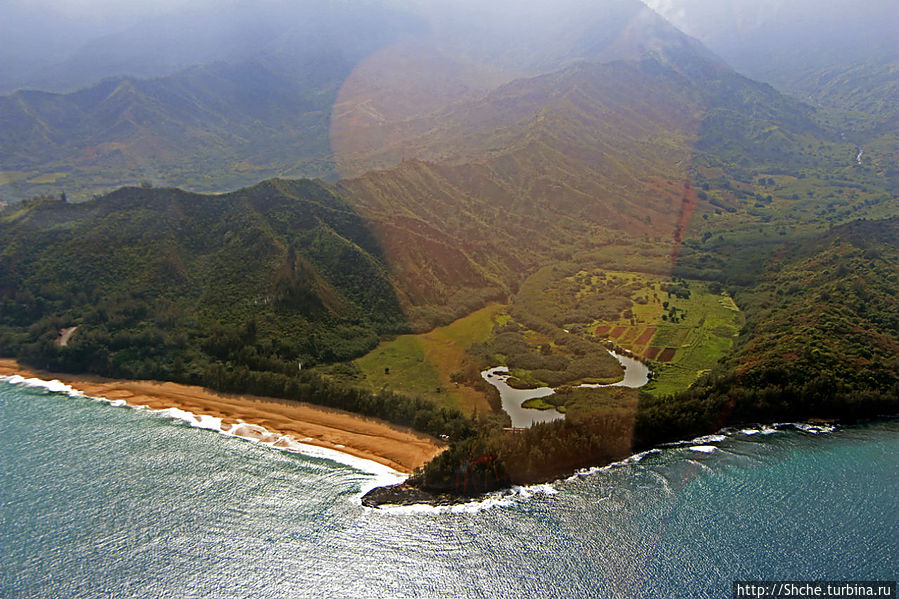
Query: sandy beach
point(367, 438)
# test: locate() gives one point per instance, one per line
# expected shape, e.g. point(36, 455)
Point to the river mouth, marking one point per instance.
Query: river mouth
point(513, 398)
point(636, 374)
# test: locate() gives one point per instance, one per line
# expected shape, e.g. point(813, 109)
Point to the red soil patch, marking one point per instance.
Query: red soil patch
point(646, 337)
point(652, 352)
point(667, 354)
point(630, 335)
point(617, 331)
point(602, 330)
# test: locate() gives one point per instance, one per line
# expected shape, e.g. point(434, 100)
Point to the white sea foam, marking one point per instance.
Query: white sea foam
point(492, 500)
point(529, 491)
point(460, 508)
point(717, 438)
point(637, 457)
point(201, 421)
point(54, 386)
point(585, 472)
point(384, 475)
point(763, 429)
point(703, 448)
point(814, 429)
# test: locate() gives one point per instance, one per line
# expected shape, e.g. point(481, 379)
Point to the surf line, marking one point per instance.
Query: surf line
point(242, 430)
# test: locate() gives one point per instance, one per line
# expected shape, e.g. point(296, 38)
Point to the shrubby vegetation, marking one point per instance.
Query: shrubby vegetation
point(562, 358)
point(536, 454)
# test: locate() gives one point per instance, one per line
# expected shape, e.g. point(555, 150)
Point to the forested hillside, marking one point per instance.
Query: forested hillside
point(821, 341)
point(163, 283)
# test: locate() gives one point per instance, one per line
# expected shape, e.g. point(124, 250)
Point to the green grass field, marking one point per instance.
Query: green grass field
point(422, 364)
point(681, 325)
point(703, 337)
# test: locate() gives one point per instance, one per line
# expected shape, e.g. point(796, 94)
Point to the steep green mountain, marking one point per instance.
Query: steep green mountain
point(238, 292)
point(70, 49)
point(782, 42)
point(631, 165)
point(821, 341)
point(576, 161)
point(862, 90)
point(769, 170)
point(841, 58)
point(410, 98)
point(163, 283)
point(260, 103)
point(526, 175)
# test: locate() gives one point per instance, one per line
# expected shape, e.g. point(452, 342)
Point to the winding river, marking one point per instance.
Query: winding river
point(636, 374)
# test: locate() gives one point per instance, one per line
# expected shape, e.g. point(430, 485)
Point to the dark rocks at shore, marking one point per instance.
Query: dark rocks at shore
point(404, 494)
point(408, 494)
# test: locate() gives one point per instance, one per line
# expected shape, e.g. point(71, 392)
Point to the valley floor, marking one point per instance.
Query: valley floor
point(366, 438)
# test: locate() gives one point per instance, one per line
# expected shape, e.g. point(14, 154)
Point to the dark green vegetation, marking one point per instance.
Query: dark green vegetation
point(285, 264)
point(542, 452)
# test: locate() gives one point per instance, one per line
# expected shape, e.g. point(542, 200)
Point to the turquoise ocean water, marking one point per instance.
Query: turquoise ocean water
point(105, 501)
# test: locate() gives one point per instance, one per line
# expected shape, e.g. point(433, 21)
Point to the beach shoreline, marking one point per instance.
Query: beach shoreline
point(402, 450)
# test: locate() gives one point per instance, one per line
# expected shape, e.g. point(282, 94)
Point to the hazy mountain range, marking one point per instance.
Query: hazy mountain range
point(330, 89)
